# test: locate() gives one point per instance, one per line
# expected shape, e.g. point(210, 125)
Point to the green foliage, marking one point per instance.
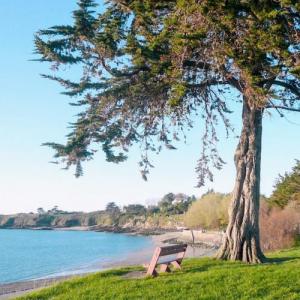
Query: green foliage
point(112, 208)
point(152, 210)
point(55, 211)
point(210, 211)
point(9, 223)
point(200, 278)
point(135, 209)
point(149, 66)
point(112, 216)
point(40, 211)
point(172, 204)
point(165, 204)
point(113, 212)
point(44, 220)
point(92, 221)
point(287, 188)
point(72, 223)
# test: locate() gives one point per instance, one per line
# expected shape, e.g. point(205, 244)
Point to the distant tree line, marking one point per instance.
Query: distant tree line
point(52, 211)
point(169, 204)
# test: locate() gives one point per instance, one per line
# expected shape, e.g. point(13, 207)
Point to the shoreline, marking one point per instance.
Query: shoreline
point(101, 228)
point(14, 289)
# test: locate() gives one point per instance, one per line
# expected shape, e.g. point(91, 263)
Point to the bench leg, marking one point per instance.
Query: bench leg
point(152, 271)
point(176, 264)
point(164, 268)
point(151, 267)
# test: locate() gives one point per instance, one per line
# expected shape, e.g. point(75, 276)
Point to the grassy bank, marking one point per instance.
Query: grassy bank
point(202, 278)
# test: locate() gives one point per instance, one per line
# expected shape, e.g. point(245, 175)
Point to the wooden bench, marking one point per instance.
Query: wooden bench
point(165, 265)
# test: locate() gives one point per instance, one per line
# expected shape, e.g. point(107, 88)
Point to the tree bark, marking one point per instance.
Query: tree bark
point(241, 240)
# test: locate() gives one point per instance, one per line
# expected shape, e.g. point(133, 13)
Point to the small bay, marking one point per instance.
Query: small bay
point(33, 254)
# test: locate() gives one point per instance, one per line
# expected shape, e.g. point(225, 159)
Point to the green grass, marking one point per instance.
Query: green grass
point(201, 278)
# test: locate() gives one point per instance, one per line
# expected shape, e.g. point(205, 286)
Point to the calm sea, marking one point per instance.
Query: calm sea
point(32, 254)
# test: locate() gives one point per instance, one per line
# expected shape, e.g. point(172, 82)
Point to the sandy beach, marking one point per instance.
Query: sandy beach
point(12, 290)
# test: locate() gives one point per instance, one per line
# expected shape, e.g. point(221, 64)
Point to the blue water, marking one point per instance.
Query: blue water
point(32, 254)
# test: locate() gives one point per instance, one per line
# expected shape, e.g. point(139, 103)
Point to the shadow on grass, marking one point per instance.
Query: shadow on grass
point(207, 265)
point(220, 264)
point(278, 260)
point(190, 266)
point(115, 272)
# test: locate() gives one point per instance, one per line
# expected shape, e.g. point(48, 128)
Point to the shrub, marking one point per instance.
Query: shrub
point(210, 211)
point(172, 204)
point(45, 220)
point(278, 227)
point(9, 223)
point(72, 223)
point(92, 221)
point(135, 209)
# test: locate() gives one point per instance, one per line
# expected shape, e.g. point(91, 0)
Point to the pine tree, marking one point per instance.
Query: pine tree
point(149, 66)
point(287, 188)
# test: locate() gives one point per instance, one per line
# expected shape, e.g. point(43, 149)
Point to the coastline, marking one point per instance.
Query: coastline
point(163, 234)
point(200, 249)
point(116, 229)
point(101, 228)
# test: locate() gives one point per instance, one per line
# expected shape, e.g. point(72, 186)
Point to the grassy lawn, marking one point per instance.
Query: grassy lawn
point(202, 278)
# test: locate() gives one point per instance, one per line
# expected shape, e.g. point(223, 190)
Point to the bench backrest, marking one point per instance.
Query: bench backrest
point(174, 249)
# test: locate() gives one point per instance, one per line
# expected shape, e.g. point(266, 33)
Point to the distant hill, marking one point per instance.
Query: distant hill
point(166, 215)
point(98, 220)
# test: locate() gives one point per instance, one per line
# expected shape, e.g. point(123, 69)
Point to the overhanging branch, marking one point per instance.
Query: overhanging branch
point(118, 73)
point(283, 107)
point(293, 88)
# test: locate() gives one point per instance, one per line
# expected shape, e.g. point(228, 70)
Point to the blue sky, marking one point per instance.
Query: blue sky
point(33, 111)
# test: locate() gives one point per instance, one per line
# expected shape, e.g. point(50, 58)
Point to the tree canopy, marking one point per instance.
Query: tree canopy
point(112, 208)
point(135, 209)
point(287, 188)
point(149, 66)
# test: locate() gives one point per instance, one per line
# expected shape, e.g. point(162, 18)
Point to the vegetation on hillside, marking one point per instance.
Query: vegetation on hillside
point(167, 214)
point(203, 278)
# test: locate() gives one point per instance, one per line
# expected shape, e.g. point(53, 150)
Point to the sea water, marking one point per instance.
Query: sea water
point(33, 254)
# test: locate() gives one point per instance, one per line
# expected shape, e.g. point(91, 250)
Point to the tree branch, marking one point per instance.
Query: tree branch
point(293, 88)
point(206, 83)
point(283, 107)
point(118, 73)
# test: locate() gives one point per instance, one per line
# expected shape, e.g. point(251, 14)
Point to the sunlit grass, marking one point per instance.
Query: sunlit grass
point(202, 278)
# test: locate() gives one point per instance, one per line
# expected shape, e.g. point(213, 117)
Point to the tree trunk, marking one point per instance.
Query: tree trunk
point(241, 240)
